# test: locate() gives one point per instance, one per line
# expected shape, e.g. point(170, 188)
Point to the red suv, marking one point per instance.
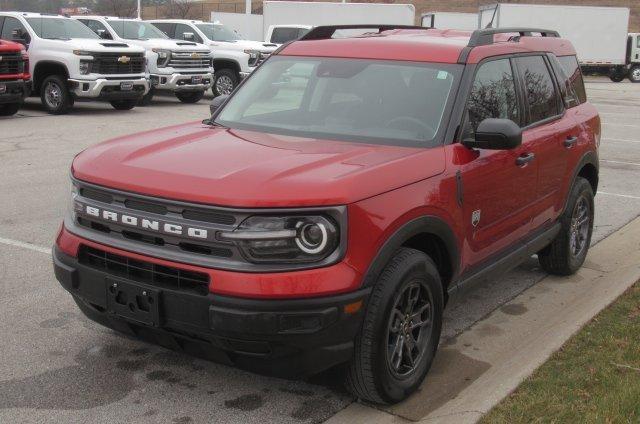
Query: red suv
point(15, 79)
point(332, 203)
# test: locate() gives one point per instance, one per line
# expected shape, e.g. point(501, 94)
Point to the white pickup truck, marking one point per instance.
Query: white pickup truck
point(181, 67)
point(233, 57)
point(69, 62)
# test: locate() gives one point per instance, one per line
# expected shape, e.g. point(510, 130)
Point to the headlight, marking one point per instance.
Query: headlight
point(285, 239)
point(164, 56)
point(254, 55)
point(82, 53)
point(85, 67)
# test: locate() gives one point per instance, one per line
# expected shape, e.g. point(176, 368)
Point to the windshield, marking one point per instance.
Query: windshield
point(136, 30)
point(217, 32)
point(60, 28)
point(383, 102)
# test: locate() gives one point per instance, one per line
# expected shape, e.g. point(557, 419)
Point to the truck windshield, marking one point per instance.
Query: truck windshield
point(217, 32)
point(361, 100)
point(136, 30)
point(60, 28)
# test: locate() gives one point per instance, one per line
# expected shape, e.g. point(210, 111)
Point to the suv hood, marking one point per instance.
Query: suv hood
point(97, 45)
point(218, 166)
point(176, 46)
point(245, 45)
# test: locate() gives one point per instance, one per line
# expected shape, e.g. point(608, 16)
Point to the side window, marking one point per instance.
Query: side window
point(572, 70)
point(182, 29)
point(14, 30)
point(540, 92)
point(97, 27)
point(283, 35)
point(493, 95)
point(164, 27)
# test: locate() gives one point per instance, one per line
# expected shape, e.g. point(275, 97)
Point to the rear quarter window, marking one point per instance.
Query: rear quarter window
point(572, 70)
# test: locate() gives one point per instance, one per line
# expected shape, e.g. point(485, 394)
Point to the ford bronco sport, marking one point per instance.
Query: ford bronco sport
point(331, 204)
point(15, 81)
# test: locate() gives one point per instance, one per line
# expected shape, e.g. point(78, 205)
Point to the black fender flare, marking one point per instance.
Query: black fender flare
point(425, 224)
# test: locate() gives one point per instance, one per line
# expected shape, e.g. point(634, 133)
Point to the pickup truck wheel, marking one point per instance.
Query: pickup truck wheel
point(567, 252)
point(225, 81)
point(401, 330)
point(634, 73)
point(191, 97)
point(55, 95)
point(8, 110)
point(124, 104)
point(147, 98)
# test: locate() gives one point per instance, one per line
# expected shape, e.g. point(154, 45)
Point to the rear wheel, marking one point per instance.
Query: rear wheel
point(190, 97)
point(224, 82)
point(399, 337)
point(124, 104)
point(634, 73)
point(55, 95)
point(567, 252)
point(10, 109)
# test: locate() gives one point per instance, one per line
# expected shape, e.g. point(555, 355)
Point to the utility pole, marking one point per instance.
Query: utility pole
point(139, 9)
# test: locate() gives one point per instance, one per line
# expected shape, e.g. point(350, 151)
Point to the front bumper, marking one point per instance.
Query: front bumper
point(14, 91)
point(287, 338)
point(181, 82)
point(109, 89)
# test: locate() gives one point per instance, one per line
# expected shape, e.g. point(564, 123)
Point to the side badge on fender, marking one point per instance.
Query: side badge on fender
point(475, 218)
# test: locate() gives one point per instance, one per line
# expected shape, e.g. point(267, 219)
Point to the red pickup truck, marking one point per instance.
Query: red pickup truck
point(15, 80)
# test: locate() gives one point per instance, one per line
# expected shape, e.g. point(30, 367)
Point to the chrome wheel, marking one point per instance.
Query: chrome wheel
point(53, 95)
point(635, 74)
point(580, 224)
point(409, 329)
point(224, 85)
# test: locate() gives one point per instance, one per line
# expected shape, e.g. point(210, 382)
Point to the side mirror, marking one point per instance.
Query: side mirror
point(188, 36)
point(496, 134)
point(217, 102)
point(102, 33)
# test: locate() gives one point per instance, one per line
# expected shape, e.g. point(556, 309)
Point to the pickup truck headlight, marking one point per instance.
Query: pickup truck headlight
point(164, 56)
point(85, 67)
point(285, 239)
point(254, 55)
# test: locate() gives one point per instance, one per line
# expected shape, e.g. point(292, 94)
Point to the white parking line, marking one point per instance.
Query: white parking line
point(620, 140)
point(619, 195)
point(620, 162)
point(24, 245)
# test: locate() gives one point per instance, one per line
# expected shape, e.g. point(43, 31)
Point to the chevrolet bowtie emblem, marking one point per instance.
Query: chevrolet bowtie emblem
point(0, 58)
point(195, 55)
point(124, 59)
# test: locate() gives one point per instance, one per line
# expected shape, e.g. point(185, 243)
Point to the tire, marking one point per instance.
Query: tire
point(190, 97)
point(147, 98)
point(373, 374)
point(567, 252)
point(634, 73)
point(224, 82)
point(124, 104)
point(616, 77)
point(55, 95)
point(9, 109)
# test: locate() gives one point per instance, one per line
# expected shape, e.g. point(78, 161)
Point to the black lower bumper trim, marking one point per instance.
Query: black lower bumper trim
point(287, 338)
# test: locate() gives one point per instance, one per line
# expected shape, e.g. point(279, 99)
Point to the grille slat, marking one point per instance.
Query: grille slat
point(185, 61)
point(144, 272)
point(11, 63)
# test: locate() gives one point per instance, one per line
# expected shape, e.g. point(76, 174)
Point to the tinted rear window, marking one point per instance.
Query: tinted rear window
point(572, 70)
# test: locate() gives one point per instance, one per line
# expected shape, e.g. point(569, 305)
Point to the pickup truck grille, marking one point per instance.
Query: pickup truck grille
point(118, 63)
point(190, 60)
point(11, 63)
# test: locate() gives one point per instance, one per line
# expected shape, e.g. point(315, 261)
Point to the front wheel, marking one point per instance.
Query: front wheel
point(55, 95)
point(399, 337)
point(190, 97)
point(124, 104)
point(567, 252)
point(10, 109)
point(224, 82)
point(634, 73)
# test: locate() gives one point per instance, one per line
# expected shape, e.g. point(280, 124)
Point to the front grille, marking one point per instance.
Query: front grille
point(144, 272)
point(11, 63)
point(117, 63)
point(186, 60)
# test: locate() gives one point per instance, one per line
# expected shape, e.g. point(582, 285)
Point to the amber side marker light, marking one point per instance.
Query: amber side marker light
point(352, 308)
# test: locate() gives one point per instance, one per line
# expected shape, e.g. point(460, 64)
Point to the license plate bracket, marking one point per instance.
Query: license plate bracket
point(3, 88)
point(134, 302)
point(126, 85)
point(196, 79)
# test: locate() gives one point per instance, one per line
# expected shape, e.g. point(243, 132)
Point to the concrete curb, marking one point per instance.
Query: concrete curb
point(489, 360)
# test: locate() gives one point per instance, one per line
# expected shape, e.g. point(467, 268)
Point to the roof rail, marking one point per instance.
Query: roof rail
point(484, 37)
point(326, 32)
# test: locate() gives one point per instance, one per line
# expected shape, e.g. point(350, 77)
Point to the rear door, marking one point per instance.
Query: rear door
point(549, 134)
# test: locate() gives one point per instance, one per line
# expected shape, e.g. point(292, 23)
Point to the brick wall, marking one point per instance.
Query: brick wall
point(202, 10)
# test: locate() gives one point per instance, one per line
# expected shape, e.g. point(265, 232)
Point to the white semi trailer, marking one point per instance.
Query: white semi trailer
point(600, 34)
point(450, 20)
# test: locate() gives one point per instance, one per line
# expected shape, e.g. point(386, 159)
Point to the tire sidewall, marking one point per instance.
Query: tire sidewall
point(66, 99)
point(224, 72)
point(582, 188)
point(633, 69)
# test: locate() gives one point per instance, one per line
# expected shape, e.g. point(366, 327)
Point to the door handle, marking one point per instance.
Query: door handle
point(570, 141)
point(525, 159)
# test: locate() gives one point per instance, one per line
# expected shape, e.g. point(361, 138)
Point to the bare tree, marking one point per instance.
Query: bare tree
point(180, 8)
point(121, 8)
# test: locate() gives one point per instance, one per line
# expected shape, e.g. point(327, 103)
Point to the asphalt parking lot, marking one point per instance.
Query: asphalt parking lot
point(59, 367)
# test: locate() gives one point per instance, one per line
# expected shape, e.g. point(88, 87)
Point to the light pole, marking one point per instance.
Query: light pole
point(139, 9)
